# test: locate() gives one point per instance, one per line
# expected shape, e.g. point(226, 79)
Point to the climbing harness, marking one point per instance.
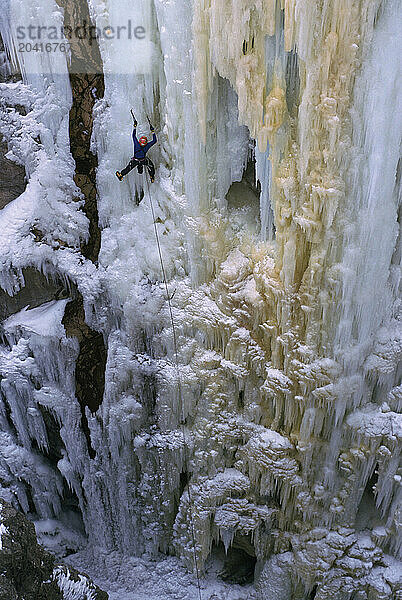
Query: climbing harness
point(179, 386)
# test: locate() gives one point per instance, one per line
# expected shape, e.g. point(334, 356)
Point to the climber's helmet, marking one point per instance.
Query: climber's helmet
point(143, 140)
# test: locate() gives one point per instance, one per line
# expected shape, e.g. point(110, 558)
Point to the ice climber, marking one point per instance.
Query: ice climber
point(140, 159)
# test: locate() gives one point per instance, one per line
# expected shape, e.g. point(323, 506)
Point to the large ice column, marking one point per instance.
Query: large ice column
point(373, 189)
point(36, 377)
point(311, 165)
point(311, 151)
point(259, 59)
point(24, 26)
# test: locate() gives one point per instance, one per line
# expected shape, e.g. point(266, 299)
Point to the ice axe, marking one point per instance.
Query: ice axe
point(134, 119)
point(150, 124)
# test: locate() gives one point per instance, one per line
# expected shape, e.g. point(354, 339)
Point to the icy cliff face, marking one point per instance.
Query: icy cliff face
point(287, 430)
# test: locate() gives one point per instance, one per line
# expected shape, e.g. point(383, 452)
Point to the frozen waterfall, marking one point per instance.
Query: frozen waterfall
point(270, 444)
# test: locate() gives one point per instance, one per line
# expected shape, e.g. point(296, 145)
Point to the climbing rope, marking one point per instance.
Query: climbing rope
point(179, 386)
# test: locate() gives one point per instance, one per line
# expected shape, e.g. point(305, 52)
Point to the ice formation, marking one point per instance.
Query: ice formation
point(285, 292)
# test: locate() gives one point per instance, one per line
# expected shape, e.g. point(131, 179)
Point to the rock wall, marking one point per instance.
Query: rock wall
point(28, 572)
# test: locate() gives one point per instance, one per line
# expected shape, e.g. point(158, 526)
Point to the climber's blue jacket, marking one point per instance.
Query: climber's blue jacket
point(140, 151)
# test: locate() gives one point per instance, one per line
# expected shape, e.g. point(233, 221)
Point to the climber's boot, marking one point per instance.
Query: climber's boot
point(119, 176)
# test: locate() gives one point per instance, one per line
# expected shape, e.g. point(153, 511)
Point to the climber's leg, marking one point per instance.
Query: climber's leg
point(120, 174)
point(131, 165)
point(151, 169)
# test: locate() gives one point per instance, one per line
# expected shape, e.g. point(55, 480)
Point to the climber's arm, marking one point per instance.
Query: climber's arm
point(137, 144)
point(151, 143)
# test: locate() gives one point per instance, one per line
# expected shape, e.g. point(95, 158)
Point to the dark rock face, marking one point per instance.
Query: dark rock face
point(27, 571)
point(12, 177)
point(91, 362)
point(25, 568)
point(86, 89)
point(8, 71)
point(37, 290)
point(87, 85)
